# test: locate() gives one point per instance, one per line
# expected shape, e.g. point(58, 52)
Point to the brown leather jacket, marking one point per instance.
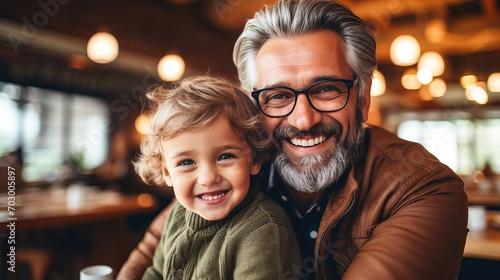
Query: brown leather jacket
point(404, 216)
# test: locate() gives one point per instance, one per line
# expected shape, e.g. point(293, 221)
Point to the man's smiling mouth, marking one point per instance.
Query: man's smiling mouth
point(307, 142)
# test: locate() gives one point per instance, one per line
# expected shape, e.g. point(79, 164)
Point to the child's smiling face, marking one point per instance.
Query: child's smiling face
point(209, 168)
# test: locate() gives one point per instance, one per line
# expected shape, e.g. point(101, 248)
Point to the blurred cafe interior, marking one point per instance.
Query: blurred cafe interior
point(73, 75)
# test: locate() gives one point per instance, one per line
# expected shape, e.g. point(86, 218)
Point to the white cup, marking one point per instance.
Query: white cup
point(477, 218)
point(75, 196)
point(97, 272)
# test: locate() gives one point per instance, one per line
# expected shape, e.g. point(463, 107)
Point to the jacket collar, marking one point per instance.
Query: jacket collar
point(345, 197)
point(341, 201)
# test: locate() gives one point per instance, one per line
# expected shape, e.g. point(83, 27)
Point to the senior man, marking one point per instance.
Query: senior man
point(364, 204)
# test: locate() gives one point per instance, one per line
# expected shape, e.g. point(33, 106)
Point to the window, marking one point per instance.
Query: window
point(438, 137)
point(51, 128)
point(464, 144)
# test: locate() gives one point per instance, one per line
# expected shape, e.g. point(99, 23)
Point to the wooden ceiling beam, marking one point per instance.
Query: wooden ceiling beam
point(490, 8)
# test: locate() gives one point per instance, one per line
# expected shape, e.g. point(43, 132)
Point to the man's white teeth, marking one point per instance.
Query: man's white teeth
point(308, 143)
point(212, 197)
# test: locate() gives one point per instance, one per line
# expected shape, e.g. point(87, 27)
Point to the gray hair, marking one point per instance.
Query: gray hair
point(289, 18)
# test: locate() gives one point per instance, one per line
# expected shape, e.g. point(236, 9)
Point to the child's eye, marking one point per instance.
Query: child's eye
point(185, 162)
point(226, 156)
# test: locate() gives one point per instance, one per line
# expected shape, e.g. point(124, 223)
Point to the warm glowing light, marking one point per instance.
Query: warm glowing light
point(468, 80)
point(378, 84)
point(478, 93)
point(145, 200)
point(425, 94)
point(494, 82)
point(102, 48)
point(78, 61)
point(424, 76)
point(481, 85)
point(468, 93)
point(405, 50)
point(171, 67)
point(409, 80)
point(437, 87)
point(435, 30)
point(142, 124)
point(432, 61)
point(478, 177)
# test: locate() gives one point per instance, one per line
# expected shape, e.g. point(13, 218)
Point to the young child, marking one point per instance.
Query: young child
point(206, 140)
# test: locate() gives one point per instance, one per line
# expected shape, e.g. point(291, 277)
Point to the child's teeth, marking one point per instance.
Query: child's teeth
point(210, 197)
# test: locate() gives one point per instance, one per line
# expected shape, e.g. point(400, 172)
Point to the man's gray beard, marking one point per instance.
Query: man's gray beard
point(317, 171)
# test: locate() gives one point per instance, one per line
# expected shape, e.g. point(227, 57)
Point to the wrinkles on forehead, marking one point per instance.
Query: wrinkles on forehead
point(299, 61)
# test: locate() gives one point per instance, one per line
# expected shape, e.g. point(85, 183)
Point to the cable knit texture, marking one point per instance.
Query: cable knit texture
point(255, 241)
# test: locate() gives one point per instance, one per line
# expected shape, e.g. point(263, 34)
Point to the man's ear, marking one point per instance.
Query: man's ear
point(365, 100)
point(166, 176)
point(255, 168)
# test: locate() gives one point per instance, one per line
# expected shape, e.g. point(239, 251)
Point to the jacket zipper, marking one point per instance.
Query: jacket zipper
point(351, 205)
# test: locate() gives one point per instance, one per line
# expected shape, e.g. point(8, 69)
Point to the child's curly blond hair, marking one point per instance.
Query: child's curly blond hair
point(193, 104)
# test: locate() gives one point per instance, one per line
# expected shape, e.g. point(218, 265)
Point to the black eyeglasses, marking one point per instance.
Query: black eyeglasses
point(324, 96)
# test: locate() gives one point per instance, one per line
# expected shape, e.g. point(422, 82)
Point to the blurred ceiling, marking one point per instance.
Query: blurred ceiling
point(43, 43)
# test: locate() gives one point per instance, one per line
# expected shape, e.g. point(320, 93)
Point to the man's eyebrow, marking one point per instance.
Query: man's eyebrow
point(277, 84)
point(311, 81)
point(329, 77)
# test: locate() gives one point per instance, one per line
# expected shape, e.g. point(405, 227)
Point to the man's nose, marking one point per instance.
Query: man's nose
point(207, 175)
point(303, 116)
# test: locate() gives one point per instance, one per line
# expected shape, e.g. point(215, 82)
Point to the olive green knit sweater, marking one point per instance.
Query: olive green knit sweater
point(255, 241)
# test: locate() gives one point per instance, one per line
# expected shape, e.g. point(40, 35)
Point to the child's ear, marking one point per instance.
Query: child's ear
point(166, 176)
point(255, 168)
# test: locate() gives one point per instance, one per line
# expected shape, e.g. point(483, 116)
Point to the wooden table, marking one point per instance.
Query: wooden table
point(484, 244)
point(40, 209)
point(487, 196)
point(98, 216)
point(483, 197)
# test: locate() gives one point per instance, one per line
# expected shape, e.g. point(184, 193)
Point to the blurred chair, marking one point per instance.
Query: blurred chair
point(38, 260)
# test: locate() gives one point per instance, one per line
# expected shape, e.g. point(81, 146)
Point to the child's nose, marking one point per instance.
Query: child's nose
point(207, 176)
